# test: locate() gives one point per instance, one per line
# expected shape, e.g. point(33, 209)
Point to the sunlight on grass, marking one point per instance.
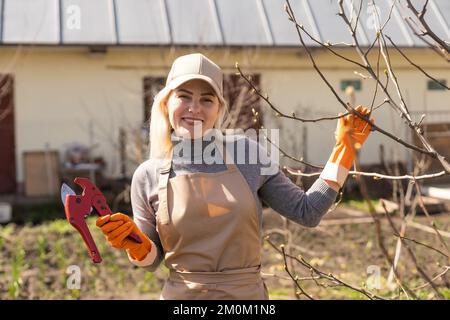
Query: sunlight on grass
point(60, 226)
point(359, 204)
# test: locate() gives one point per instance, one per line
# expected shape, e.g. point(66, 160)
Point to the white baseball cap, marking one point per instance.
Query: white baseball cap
point(195, 66)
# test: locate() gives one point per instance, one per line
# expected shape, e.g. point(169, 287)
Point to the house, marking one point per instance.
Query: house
point(85, 71)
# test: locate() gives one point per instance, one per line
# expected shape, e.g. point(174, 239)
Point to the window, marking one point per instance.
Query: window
point(241, 100)
point(433, 85)
point(152, 85)
point(355, 83)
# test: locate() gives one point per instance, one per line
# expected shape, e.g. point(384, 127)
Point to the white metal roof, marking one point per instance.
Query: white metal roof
point(204, 22)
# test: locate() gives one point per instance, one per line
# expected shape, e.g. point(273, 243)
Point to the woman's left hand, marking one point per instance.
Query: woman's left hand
point(351, 133)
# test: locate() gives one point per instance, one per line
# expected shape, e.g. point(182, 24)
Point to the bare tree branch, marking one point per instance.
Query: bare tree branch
point(442, 45)
point(415, 65)
point(321, 274)
point(411, 254)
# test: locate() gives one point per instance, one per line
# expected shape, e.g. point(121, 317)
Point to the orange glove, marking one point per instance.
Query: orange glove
point(117, 227)
point(351, 132)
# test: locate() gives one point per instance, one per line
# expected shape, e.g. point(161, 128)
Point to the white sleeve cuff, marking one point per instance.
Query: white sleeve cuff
point(149, 258)
point(334, 172)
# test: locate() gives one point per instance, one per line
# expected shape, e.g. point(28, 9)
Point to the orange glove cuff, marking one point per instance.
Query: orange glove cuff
point(140, 251)
point(343, 155)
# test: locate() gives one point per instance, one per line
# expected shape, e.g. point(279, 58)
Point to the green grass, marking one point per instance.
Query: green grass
point(8, 230)
point(60, 226)
point(46, 250)
point(61, 261)
point(17, 265)
point(149, 283)
point(280, 294)
point(347, 293)
point(359, 204)
point(41, 247)
point(446, 293)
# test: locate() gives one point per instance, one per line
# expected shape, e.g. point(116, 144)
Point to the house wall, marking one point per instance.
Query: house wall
point(61, 91)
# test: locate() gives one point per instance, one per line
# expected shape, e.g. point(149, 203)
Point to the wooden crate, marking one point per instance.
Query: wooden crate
point(438, 135)
point(41, 170)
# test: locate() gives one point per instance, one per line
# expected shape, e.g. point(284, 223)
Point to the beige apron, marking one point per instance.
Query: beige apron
point(209, 229)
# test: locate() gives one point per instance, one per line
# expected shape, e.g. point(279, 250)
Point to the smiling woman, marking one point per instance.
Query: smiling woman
point(203, 217)
point(191, 77)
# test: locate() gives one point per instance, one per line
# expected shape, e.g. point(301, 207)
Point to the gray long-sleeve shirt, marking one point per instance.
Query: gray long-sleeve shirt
point(274, 189)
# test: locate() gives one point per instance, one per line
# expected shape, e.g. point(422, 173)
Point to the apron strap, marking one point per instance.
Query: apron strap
point(164, 172)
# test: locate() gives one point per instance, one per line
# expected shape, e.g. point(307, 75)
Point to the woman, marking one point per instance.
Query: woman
point(204, 217)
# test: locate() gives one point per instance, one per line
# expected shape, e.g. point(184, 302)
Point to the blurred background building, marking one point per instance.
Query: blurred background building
point(80, 75)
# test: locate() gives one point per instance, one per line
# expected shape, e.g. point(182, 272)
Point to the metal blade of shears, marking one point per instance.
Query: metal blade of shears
point(66, 190)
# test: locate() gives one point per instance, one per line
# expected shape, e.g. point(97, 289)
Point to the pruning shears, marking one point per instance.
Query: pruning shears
point(78, 207)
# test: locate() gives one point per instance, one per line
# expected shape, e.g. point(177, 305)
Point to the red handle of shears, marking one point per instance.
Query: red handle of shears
point(77, 207)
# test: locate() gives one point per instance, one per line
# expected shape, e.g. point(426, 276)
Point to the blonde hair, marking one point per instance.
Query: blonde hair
point(160, 128)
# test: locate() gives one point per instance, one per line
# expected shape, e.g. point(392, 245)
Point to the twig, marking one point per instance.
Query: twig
point(373, 174)
point(278, 112)
point(264, 274)
point(433, 225)
point(443, 46)
point(422, 244)
point(415, 65)
point(402, 109)
point(324, 275)
point(284, 232)
point(353, 173)
point(411, 254)
point(295, 279)
point(285, 154)
point(428, 229)
point(431, 152)
point(380, 239)
point(447, 268)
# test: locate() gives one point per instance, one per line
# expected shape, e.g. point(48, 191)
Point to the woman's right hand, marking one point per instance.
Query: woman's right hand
point(117, 227)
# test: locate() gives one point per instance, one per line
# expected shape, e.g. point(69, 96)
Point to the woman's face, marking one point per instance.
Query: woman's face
point(193, 108)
